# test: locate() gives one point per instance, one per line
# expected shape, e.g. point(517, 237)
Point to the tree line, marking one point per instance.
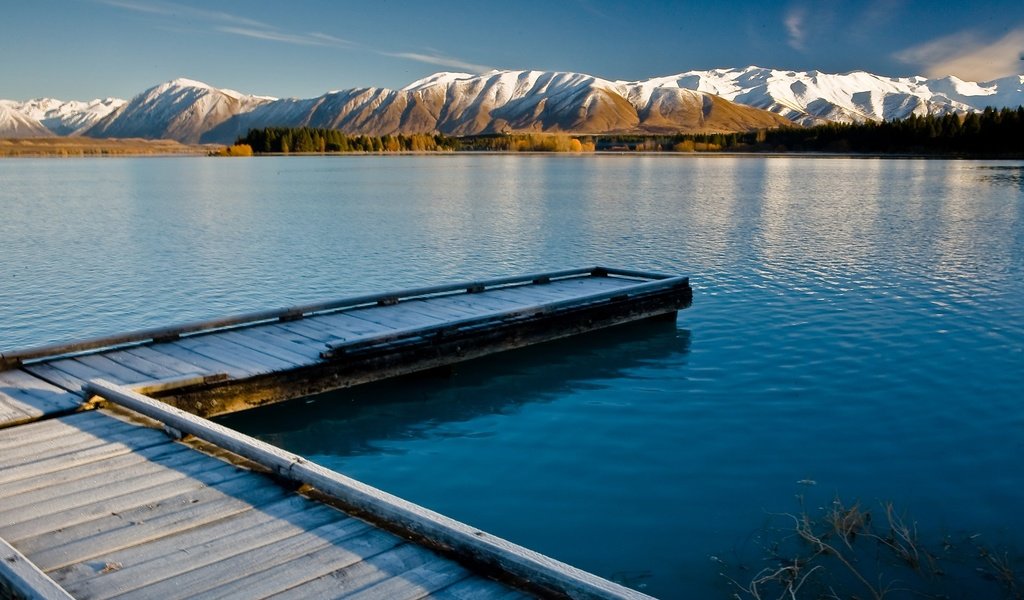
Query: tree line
point(992, 132)
point(285, 140)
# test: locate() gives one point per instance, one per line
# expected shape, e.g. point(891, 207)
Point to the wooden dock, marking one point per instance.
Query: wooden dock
point(107, 493)
point(238, 362)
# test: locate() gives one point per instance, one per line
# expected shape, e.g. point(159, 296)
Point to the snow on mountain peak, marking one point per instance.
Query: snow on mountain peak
point(526, 100)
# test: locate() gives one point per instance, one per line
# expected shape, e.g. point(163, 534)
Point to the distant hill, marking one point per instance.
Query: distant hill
point(714, 101)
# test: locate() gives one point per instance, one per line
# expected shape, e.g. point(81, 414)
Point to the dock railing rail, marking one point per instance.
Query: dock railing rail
point(12, 359)
point(534, 571)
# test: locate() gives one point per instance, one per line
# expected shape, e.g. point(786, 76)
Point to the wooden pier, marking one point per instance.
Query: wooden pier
point(238, 362)
point(105, 492)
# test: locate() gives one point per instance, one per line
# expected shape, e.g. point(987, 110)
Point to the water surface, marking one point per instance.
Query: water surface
point(858, 323)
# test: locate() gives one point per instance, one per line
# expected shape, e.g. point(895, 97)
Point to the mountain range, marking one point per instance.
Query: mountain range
point(719, 100)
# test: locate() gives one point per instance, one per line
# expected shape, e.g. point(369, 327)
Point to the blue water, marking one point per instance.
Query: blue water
point(856, 323)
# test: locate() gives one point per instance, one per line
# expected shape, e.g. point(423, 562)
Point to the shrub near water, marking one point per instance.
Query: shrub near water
point(235, 150)
point(855, 550)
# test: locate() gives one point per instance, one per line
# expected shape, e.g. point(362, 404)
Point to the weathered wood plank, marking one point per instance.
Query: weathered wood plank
point(11, 414)
point(251, 362)
point(55, 376)
point(32, 395)
point(291, 341)
point(415, 583)
point(120, 510)
point(478, 588)
point(19, 578)
point(154, 370)
point(397, 316)
point(440, 310)
point(529, 297)
point(313, 328)
point(346, 325)
point(296, 335)
point(41, 430)
point(86, 471)
point(80, 456)
point(79, 370)
point(253, 561)
point(350, 578)
point(76, 493)
point(69, 442)
point(401, 515)
point(104, 364)
point(277, 348)
point(176, 514)
point(180, 359)
point(327, 559)
point(480, 303)
point(173, 555)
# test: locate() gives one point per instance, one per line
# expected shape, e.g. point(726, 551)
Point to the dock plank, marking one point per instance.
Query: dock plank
point(31, 394)
point(152, 369)
point(117, 511)
point(65, 460)
point(345, 324)
point(79, 493)
point(221, 350)
point(84, 471)
point(418, 582)
point(438, 309)
point(55, 376)
point(30, 432)
point(297, 334)
point(104, 364)
point(174, 514)
point(69, 442)
point(312, 328)
point(251, 562)
point(359, 575)
point(396, 317)
point(478, 588)
point(181, 359)
point(329, 558)
point(173, 555)
point(279, 348)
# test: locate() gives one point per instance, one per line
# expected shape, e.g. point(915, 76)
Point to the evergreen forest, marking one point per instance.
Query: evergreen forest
point(991, 133)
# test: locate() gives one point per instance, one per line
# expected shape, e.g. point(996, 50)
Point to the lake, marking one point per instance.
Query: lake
point(857, 331)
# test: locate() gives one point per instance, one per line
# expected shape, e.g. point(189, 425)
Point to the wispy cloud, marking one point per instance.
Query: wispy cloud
point(969, 55)
point(232, 24)
point(173, 9)
point(300, 39)
point(794, 20)
point(438, 59)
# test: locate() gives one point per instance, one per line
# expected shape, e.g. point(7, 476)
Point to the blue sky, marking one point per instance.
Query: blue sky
point(82, 49)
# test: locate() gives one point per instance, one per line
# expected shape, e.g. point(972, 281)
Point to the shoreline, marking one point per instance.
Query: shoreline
point(77, 147)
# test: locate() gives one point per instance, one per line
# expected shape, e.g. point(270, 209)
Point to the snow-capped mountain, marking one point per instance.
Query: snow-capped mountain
point(181, 110)
point(813, 97)
point(14, 124)
point(67, 118)
point(502, 101)
point(718, 100)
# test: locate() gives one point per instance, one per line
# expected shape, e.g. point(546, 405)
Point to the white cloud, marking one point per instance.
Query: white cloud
point(969, 56)
point(440, 60)
point(794, 21)
point(238, 25)
point(307, 39)
point(172, 9)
